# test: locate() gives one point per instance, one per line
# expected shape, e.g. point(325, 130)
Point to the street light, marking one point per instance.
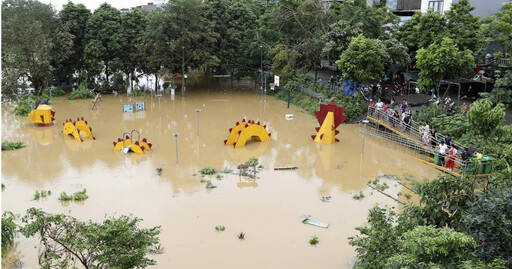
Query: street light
point(176, 136)
point(198, 110)
point(185, 83)
point(364, 134)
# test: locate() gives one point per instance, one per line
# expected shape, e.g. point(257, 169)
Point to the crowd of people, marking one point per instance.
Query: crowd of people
point(399, 117)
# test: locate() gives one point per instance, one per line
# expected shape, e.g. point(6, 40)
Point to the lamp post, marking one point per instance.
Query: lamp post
point(185, 76)
point(176, 136)
point(198, 110)
point(364, 134)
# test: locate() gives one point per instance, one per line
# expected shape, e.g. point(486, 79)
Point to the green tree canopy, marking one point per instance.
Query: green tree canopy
point(28, 29)
point(73, 18)
point(104, 49)
point(134, 25)
point(443, 60)
point(464, 27)
point(66, 241)
point(363, 61)
point(499, 27)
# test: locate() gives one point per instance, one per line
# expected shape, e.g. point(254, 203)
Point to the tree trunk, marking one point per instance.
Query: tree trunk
point(156, 82)
point(107, 74)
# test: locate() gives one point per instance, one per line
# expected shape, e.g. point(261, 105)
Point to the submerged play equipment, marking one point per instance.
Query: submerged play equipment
point(329, 117)
point(78, 129)
point(126, 145)
point(239, 134)
point(42, 114)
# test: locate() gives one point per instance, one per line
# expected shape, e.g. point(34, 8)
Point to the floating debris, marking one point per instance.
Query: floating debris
point(241, 235)
point(286, 168)
point(391, 177)
point(159, 171)
point(307, 220)
point(325, 199)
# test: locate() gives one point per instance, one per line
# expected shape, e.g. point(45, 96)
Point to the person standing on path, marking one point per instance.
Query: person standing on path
point(451, 159)
point(426, 134)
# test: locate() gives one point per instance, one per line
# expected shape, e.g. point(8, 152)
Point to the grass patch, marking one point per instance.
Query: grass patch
point(219, 177)
point(7, 145)
point(314, 240)
point(252, 161)
point(77, 196)
point(207, 171)
point(220, 228)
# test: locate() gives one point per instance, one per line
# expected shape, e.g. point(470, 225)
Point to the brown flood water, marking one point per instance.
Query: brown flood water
point(267, 209)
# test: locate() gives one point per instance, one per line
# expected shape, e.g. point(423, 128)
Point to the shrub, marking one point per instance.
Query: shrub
point(207, 171)
point(25, 104)
point(81, 93)
point(7, 145)
point(220, 228)
point(137, 91)
point(314, 240)
point(57, 91)
point(209, 185)
point(77, 196)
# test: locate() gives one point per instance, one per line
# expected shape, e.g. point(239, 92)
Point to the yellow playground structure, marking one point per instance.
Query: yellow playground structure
point(125, 145)
point(78, 129)
point(42, 114)
point(329, 117)
point(239, 134)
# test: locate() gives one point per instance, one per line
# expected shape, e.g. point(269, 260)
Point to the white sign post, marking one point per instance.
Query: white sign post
point(276, 80)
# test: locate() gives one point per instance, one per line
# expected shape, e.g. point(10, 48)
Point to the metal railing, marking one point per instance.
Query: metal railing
point(412, 131)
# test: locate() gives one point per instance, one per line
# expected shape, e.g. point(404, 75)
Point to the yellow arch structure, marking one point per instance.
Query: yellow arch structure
point(78, 129)
point(139, 146)
point(239, 134)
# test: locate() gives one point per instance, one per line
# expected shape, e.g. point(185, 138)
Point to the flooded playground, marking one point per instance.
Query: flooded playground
point(267, 209)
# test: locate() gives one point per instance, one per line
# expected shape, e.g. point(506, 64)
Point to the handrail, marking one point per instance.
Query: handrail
point(414, 128)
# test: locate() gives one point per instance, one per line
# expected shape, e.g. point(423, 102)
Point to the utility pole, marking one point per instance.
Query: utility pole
point(198, 110)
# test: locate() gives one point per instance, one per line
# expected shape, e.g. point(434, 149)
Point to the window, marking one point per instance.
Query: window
point(436, 6)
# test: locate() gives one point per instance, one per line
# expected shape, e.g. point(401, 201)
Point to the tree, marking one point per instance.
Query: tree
point(431, 247)
point(134, 25)
point(397, 52)
point(443, 60)
point(422, 30)
point(27, 30)
point(488, 221)
point(186, 36)
point(104, 49)
point(464, 27)
point(486, 119)
point(66, 241)
point(338, 38)
point(499, 27)
point(73, 18)
point(363, 61)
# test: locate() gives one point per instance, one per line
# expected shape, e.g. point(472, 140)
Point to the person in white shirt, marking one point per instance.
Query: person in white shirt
point(442, 151)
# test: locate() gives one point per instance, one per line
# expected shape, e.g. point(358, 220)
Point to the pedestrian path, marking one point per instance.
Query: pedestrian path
point(410, 136)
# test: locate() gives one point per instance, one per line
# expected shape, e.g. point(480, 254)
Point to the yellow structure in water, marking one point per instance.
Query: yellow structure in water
point(42, 115)
point(239, 134)
point(329, 117)
point(78, 129)
point(327, 132)
point(125, 145)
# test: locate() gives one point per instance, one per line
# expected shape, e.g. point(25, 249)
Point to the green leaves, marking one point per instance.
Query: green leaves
point(363, 60)
point(485, 118)
point(8, 230)
point(117, 242)
point(7, 145)
point(442, 60)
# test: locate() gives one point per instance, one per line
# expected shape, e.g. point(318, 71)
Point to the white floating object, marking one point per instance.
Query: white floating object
point(288, 116)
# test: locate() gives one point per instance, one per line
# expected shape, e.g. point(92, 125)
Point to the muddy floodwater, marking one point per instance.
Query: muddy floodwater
point(267, 209)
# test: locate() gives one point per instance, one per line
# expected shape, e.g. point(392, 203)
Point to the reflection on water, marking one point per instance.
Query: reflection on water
point(267, 208)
